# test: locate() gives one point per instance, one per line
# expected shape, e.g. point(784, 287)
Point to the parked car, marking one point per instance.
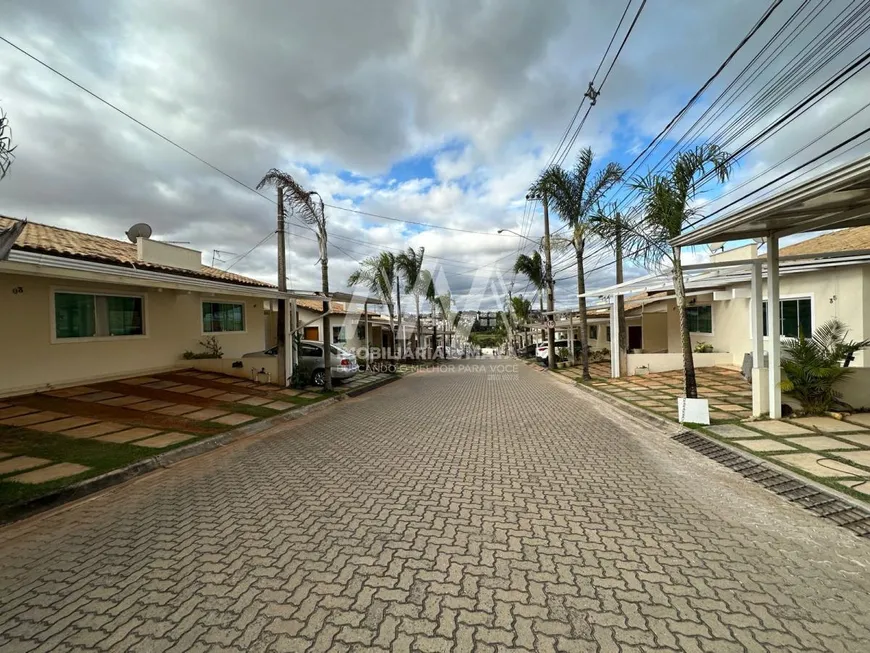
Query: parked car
point(542, 351)
point(310, 359)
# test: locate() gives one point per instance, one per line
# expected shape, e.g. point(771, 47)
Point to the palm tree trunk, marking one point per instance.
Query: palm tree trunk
point(691, 385)
point(584, 329)
point(419, 324)
point(434, 343)
point(620, 308)
point(399, 348)
point(327, 333)
point(541, 299)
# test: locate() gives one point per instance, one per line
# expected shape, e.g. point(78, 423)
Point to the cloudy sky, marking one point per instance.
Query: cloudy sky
point(433, 111)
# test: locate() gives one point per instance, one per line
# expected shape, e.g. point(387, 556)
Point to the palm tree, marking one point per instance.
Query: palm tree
point(302, 202)
point(667, 207)
point(573, 195)
point(532, 267)
point(427, 290)
point(378, 273)
point(6, 148)
point(521, 308)
point(410, 266)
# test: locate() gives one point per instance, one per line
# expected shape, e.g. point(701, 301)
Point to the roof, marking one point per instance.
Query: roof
point(834, 199)
point(844, 240)
point(45, 239)
point(317, 306)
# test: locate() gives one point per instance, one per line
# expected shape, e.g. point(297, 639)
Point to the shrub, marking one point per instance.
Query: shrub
point(703, 348)
point(212, 350)
point(813, 367)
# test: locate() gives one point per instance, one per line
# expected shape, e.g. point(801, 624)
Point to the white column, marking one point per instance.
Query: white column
point(773, 326)
point(614, 339)
point(760, 403)
point(290, 335)
point(571, 338)
point(366, 322)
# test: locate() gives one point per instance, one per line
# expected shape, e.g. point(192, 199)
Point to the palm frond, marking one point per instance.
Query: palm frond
point(298, 200)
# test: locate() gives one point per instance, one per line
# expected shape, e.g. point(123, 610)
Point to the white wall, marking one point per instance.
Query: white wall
point(30, 361)
point(668, 362)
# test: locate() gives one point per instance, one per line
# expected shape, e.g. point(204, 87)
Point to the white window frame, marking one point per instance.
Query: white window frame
point(589, 334)
point(54, 290)
point(712, 319)
point(222, 301)
point(803, 295)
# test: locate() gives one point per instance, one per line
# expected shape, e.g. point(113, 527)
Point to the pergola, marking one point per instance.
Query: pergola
point(835, 199)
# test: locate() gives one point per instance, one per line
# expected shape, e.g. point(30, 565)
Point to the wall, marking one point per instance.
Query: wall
point(269, 364)
point(667, 362)
point(29, 361)
point(856, 389)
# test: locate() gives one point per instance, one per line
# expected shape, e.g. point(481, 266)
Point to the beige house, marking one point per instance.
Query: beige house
point(78, 308)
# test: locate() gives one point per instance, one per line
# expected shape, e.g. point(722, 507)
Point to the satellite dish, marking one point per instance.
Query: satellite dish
point(137, 231)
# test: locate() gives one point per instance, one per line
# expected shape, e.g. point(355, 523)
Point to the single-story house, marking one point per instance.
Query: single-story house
point(80, 308)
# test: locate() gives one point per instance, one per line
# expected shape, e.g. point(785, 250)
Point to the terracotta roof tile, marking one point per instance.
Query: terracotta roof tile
point(75, 244)
point(844, 240)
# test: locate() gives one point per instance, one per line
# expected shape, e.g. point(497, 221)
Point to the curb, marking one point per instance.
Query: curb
point(56, 498)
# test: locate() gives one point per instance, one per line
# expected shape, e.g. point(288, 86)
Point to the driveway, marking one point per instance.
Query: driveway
point(487, 509)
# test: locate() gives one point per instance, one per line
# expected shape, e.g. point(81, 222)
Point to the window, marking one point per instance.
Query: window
point(700, 319)
point(607, 334)
point(219, 317)
point(311, 333)
point(593, 332)
point(360, 331)
point(311, 351)
point(795, 317)
point(338, 334)
point(79, 315)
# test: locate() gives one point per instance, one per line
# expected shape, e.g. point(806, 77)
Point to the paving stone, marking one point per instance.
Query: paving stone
point(93, 430)
point(858, 457)
point(861, 486)
point(232, 397)
point(128, 435)
point(861, 439)
point(280, 405)
point(208, 393)
point(125, 400)
point(255, 401)
point(20, 463)
point(234, 419)
point(140, 380)
point(820, 443)
point(50, 473)
point(186, 388)
point(732, 431)
point(56, 426)
point(208, 376)
point(97, 396)
point(162, 385)
point(225, 379)
point(32, 418)
point(862, 419)
point(4, 454)
point(290, 392)
point(151, 405)
point(826, 424)
point(206, 414)
point(75, 391)
point(764, 445)
point(15, 411)
point(777, 427)
point(164, 440)
point(818, 465)
point(178, 409)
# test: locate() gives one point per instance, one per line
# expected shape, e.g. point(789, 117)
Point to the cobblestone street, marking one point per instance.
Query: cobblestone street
point(489, 509)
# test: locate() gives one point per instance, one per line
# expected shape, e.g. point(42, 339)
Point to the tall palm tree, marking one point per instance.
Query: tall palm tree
point(410, 266)
point(574, 195)
point(521, 308)
point(427, 291)
point(378, 274)
point(444, 302)
point(302, 202)
point(667, 207)
point(532, 267)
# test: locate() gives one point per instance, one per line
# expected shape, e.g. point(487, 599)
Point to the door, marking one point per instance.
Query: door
point(635, 337)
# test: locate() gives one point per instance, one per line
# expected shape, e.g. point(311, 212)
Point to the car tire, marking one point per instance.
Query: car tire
point(317, 378)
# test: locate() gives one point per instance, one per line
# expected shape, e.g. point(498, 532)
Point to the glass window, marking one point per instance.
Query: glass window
point(607, 334)
point(338, 334)
point(795, 317)
point(219, 317)
point(78, 315)
point(593, 332)
point(310, 351)
point(700, 319)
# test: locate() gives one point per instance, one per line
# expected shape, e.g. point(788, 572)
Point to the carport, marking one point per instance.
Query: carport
point(836, 199)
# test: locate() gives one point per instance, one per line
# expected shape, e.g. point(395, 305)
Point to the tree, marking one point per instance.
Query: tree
point(302, 202)
point(610, 225)
point(574, 196)
point(410, 266)
point(667, 207)
point(444, 302)
point(427, 291)
point(521, 309)
point(378, 273)
point(532, 267)
point(6, 148)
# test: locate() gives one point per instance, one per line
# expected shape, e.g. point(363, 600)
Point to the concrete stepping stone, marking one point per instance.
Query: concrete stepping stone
point(187, 373)
point(776, 427)
point(58, 425)
point(208, 376)
point(164, 440)
point(764, 445)
point(177, 409)
point(207, 393)
point(290, 392)
point(309, 395)
point(857, 457)
point(234, 419)
point(820, 443)
point(859, 486)
point(50, 473)
point(826, 424)
point(151, 405)
point(71, 392)
point(3, 454)
point(20, 463)
point(93, 430)
point(730, 431)
point(124, 400)
point(186, 388)
point(255, 401)
point(232, 397)
point(98, 396)
point(280, 405)
point(861, 439)
point(863, 419)
point(15, 411)
point(227, 380)
point(205, 414)
point(32, 418)
point(140, 380)
point(818, 465)
point(128, 435)
point(162, 385)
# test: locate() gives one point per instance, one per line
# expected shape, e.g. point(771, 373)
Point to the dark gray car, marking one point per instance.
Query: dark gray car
point(344, 365)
